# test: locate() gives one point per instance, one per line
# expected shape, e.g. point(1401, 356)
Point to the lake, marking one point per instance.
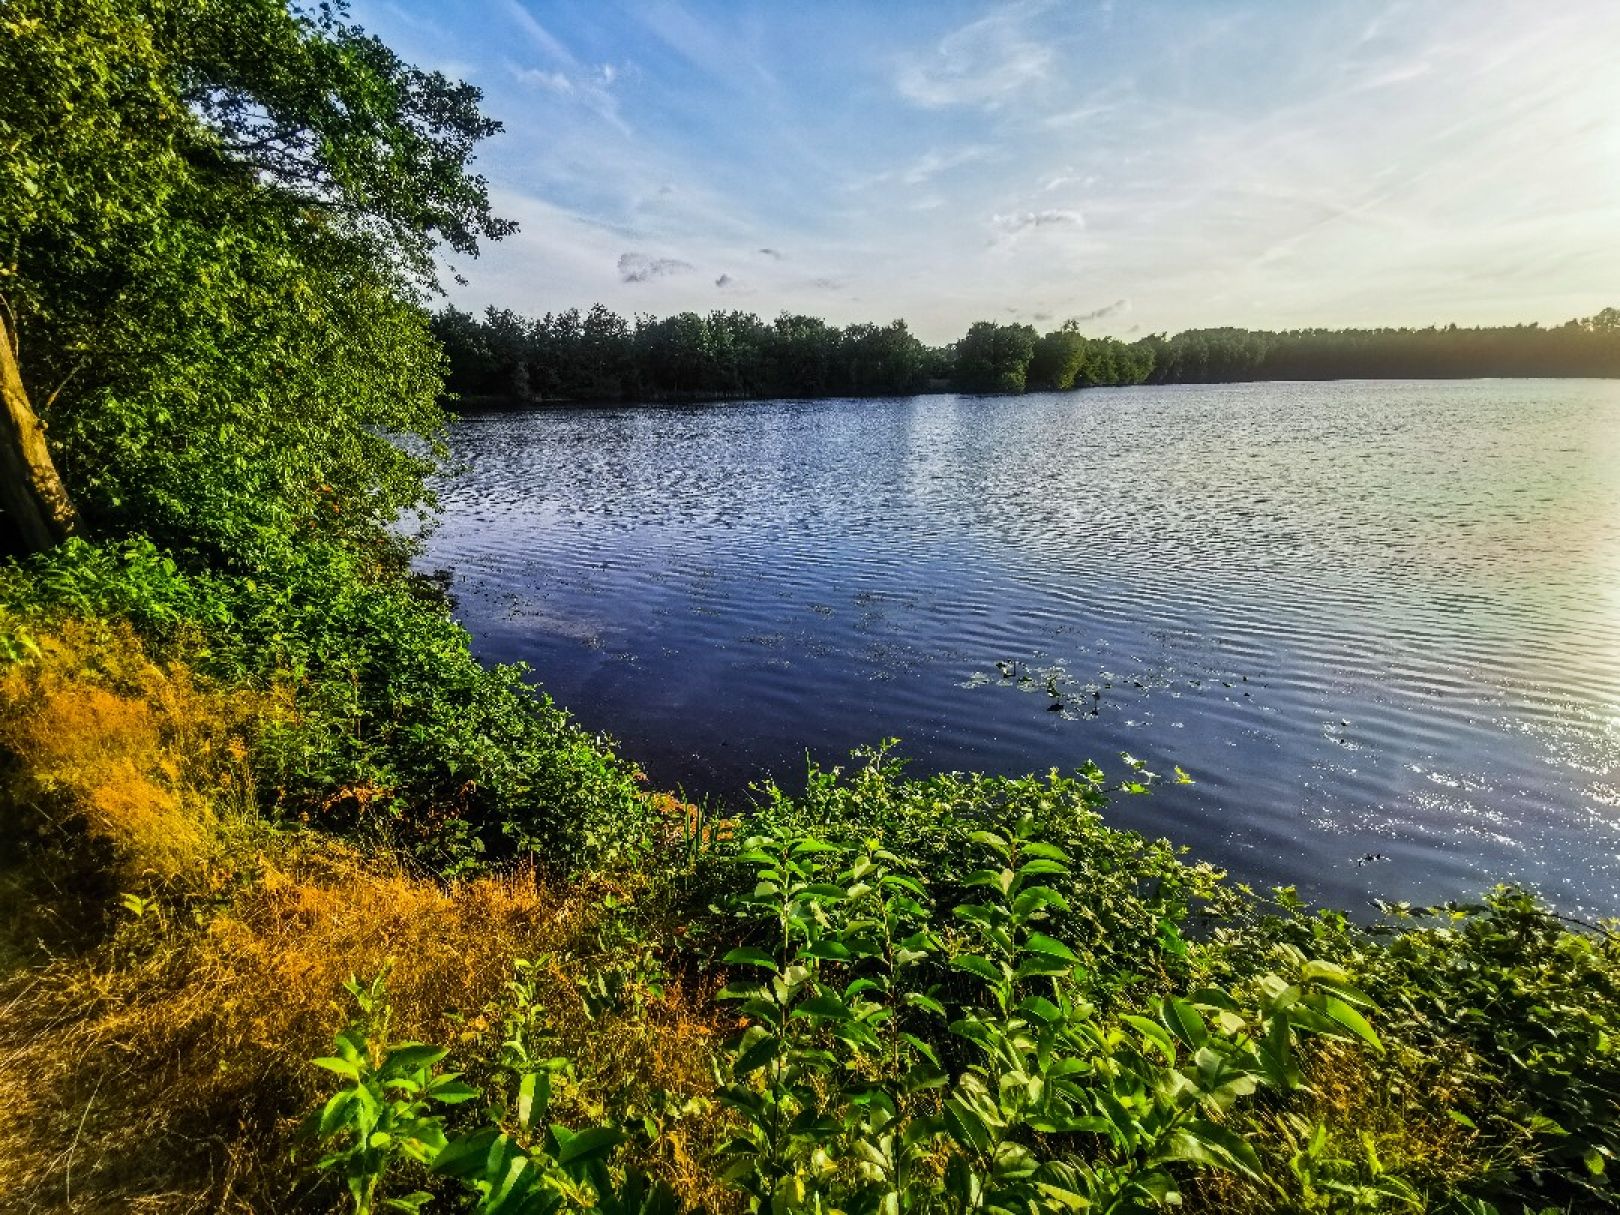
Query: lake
point(1377, 623)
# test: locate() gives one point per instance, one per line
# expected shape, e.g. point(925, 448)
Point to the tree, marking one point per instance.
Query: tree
point(1057, 359)
point(994, 358)
point(220, 218)
point(32, 495)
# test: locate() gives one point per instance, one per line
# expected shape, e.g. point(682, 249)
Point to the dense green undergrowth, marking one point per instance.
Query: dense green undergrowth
point(394, 730)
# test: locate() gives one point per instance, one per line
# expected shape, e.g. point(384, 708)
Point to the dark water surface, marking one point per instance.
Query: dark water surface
point(1379, 623)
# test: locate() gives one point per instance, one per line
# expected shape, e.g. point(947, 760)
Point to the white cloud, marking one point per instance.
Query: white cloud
point(557, 82)
point(1023, 221)
point(543, 38)
point(932, 164)
point(981, 64)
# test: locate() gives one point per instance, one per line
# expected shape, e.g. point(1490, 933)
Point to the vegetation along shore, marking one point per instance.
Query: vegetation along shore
point(599, 356)
point(304, 909)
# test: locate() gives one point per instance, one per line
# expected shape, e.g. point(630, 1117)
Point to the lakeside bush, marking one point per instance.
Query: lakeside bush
point(391, 728)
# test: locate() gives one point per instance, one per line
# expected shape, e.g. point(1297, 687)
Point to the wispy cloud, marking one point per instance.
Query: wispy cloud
point(639, 268)
point(931, 164)
point(543, 38)
point(1024, 221)
point(983, 63)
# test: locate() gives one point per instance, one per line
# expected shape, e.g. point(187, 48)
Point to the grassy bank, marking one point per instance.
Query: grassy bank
point(953, 993)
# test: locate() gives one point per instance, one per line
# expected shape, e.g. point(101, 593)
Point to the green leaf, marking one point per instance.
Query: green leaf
point(591, 1143)
point(1203, 1142)
point(1039, 868)
point(823, 1008)
point(1041, 1009)
point(822, 892)
point(965, 1126)
point(1045, 852)
point(756, 1056)
point(975, 965)
point(1153, 1032)
point(1039, 942)
point(826, 950)
point(991, 840)
point(750, 956)
point(534, 1094)
point(343, 1067)
point(452, 1092)
point(811, 846)
point(1067, 1199)
point(409, 1057)
point(466, 1155)
point(1340, 1012)
point(337, 1113)
point(917, 999)
point(1034, 898)
point(1184, 1021)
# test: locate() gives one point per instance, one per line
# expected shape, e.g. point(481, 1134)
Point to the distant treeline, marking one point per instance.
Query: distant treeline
point(600, 356)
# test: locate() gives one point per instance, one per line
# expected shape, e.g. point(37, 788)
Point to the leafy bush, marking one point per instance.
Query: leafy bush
point(394, 727)
point(861, 1090)
point(1503, 1021)
point(510, 1163)
point(1129, 902)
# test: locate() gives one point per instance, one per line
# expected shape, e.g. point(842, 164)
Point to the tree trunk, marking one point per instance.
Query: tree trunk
point(36, 503)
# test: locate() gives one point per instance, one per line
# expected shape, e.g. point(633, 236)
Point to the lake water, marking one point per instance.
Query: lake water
point(1378, 623)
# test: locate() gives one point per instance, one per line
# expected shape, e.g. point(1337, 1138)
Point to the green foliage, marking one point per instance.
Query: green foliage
point(566, 356)
point(384, 1114)
point(397, 730)
point(1587, 346)
point(508, 1161)
point(218, 221)
point(1057, 360)
point(993, 358)
point(598, 356)
point(989, 1000)
point(863, 1089)
point(1501, 1018)
point(1130, 902)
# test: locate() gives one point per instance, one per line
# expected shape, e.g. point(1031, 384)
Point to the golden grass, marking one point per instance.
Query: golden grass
point(155, 1057)
point(165, 1071)
point(135, 755)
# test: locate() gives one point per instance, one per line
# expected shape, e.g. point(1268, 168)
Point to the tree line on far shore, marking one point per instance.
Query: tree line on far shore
point(600, 356)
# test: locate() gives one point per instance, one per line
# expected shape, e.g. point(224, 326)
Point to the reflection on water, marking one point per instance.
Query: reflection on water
point(1378, 623)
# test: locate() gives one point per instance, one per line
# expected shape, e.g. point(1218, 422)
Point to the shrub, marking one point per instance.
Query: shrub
point(393, 728)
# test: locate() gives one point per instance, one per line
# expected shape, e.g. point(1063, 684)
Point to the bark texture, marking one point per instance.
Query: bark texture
point(37, 508)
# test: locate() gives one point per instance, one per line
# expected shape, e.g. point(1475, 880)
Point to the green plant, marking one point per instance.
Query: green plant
point(385, 1113)
point(511, 1162)
point(861, 1091)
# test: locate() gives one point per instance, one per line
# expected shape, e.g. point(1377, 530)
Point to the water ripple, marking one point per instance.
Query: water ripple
point(1372, 619)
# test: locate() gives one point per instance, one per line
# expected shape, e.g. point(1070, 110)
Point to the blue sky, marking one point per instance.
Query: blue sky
point(1144, 165)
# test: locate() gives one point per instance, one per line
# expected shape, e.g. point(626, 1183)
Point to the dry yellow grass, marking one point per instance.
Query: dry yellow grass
point(156, 1058)
point(165, 1070)
point(135, 755)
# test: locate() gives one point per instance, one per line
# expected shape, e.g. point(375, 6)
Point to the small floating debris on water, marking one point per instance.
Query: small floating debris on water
point(1369, 857)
